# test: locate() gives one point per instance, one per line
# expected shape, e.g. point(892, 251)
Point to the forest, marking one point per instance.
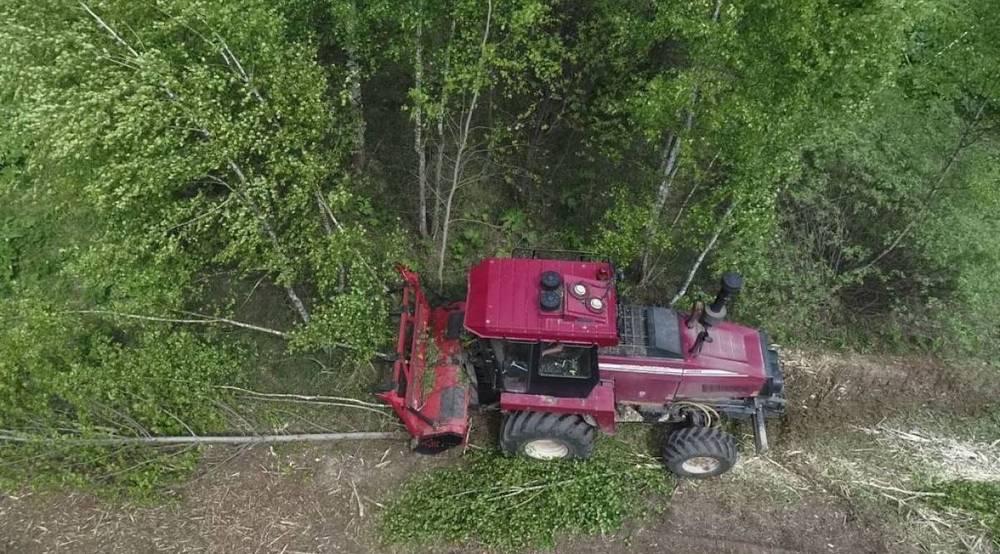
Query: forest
point(207, 196)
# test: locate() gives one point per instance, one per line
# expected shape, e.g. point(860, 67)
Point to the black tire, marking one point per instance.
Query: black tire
point(700, 452)
point(545, 436)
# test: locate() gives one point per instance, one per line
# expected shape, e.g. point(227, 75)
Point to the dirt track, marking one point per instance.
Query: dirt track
point(325, 498)
point(305, 501)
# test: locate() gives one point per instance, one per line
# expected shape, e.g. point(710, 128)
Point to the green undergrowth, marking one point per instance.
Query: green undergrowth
point(509, 503)
point(979, 498)
point(139, 474)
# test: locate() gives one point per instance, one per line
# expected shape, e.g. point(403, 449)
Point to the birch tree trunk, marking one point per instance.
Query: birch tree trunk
point(357, 103)
point(463, 141)
point(269, 231)
point(455, 179)
point(419, 144)
point(439, 157)
point(671, 152)
point(667, 172)
point(438, 177)
point(719, 227)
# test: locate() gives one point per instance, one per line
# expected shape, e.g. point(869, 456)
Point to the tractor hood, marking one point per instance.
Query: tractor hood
point(733, 348)
point(550, 300)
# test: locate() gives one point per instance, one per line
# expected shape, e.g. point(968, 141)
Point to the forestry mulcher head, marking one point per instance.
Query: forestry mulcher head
point(550, 343)
point(430, 388)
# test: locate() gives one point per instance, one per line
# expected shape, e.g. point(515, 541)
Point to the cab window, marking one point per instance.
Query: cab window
point(563, 360)
point(517, 365)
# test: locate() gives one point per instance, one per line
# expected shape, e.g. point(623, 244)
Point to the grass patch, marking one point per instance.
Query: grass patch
point(979, 498)
point(509, 503)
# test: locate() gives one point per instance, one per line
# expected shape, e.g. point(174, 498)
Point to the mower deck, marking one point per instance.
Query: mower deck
point(431, 392)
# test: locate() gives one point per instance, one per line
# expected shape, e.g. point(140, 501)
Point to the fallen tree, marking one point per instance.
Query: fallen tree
point(195, 439)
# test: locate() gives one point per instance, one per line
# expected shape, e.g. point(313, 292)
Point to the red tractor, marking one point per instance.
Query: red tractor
point(548, 341)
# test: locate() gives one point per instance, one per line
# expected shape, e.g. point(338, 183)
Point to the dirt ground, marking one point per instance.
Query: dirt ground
point(327, 497)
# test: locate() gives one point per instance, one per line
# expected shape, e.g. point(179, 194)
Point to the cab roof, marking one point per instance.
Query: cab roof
point(504, 301)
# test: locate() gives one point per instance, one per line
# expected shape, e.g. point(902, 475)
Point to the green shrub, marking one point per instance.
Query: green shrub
point(63, 378)
point(508, 503)
point(981, 498)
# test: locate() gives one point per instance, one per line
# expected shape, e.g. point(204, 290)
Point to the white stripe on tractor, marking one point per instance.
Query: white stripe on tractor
point(668, 370)
point(641, 369)
point(714, 372)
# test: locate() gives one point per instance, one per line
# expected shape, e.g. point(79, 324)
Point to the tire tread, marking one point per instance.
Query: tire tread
point(690, 442)
point(519, 428)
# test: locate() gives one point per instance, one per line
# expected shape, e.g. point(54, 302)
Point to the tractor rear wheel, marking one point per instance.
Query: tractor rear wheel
point(700, 452)
point(545, 436)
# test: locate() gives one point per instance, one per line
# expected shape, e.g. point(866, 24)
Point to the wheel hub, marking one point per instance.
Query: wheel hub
point(700, 465)
point(546, 449)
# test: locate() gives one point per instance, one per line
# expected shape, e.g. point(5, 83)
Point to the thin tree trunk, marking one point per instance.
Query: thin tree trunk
point(418, 132)
point(321, 398)
point(327, 225)
point(357, 103)
point(955, 154)
point(462, 143)
point(439, 158)
point(671, 152)
point(300, 306)
point(204, 320)
point(719, 227)
point(667, 172)
point(690, 194)
point(438, 176)
point(455, 178)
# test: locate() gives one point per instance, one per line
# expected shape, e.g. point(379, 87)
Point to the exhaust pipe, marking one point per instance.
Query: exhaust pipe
point(715, 312)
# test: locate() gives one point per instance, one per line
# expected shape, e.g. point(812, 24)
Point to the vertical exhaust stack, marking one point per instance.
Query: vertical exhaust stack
point(715, 312)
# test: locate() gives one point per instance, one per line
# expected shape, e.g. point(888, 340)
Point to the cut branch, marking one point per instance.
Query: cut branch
point(324, 403)
point(112, 32)
point(234, 63)
point(265, 223)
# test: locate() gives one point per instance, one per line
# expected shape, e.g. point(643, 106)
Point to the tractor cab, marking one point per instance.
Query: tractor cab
point(549, 368)
point(545, 320)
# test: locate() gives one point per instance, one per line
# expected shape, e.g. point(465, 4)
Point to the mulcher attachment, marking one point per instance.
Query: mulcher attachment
point(430, 389)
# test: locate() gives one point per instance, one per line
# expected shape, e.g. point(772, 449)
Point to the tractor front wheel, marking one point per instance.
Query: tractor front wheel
point(700, 452)
point(545, 436)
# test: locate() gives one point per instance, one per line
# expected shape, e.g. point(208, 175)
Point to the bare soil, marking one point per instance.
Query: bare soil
point(327, 497)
